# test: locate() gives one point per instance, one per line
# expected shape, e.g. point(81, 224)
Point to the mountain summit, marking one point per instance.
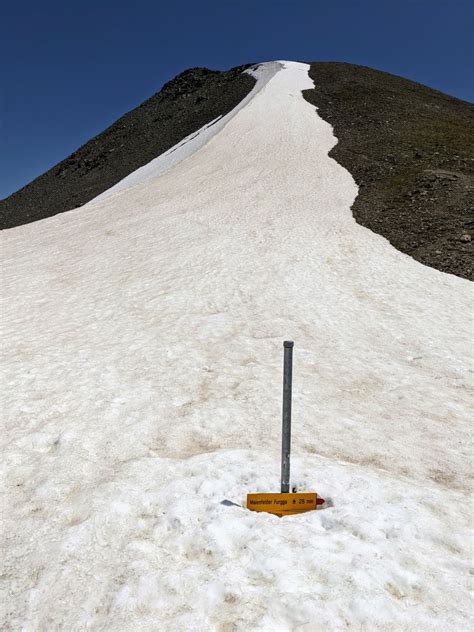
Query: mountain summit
point(408, 147)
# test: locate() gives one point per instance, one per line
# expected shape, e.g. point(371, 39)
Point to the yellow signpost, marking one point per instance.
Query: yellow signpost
point(282, 504)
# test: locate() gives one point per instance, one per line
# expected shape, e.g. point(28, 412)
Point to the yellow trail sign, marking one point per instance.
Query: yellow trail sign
point(282, 504)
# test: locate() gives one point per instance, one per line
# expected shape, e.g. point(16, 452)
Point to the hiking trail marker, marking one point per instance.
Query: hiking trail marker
point(285, 503)
point(282, 504)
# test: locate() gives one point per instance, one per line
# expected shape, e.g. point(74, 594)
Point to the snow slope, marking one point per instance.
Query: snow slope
point(142, 356)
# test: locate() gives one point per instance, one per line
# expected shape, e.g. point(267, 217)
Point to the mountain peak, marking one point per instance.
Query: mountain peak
point(407, 146)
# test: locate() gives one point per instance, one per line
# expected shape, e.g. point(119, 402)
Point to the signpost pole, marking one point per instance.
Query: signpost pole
point(286, 417)
point(285, 503)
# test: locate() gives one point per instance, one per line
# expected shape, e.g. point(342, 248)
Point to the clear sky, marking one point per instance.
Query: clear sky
point(70, 69)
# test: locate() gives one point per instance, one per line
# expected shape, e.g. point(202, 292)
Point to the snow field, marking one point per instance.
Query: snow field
point(154, 543)
point(142, 364)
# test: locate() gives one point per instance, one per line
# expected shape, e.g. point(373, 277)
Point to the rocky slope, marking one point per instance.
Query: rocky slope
point(411, 151)
point(194, 98)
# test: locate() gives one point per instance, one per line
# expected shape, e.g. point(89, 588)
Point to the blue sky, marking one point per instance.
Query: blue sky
point(71, 69)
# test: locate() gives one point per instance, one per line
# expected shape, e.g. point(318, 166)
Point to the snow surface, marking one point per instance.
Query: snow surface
point(142, 359)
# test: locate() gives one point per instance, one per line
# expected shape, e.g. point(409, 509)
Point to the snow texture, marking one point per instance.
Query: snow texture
point(142, 358)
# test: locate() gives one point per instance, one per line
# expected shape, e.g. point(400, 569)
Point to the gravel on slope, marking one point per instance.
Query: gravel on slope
point(410, 150)
point(191, 100)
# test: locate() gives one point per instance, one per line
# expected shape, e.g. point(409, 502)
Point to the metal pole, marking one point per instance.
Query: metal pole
point(286, 426)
